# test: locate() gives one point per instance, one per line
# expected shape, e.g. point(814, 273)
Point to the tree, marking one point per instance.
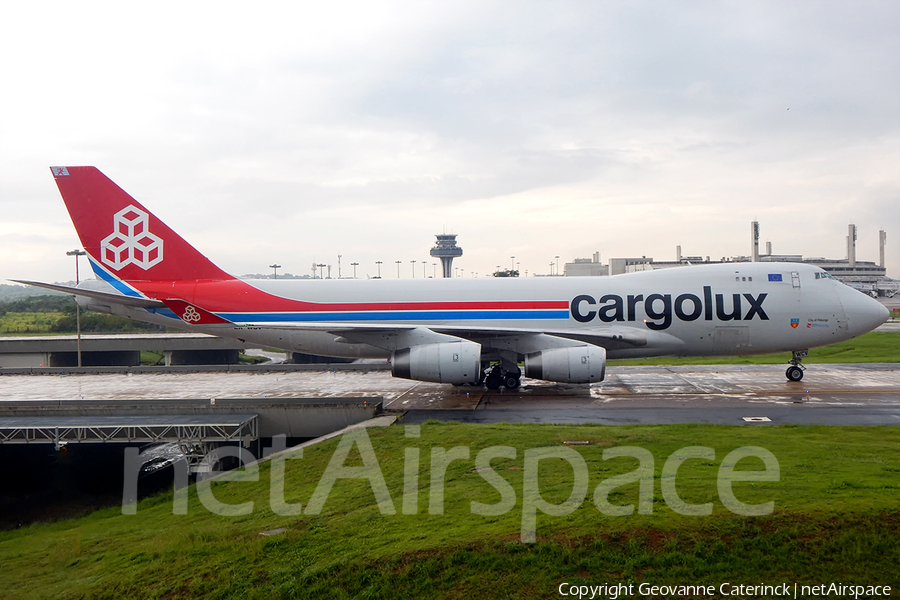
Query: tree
point(507, 273)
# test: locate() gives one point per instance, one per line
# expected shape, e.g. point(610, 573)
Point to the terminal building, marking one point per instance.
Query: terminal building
point(866, 276)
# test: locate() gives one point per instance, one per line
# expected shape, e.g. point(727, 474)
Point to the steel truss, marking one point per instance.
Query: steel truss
point(181, 429)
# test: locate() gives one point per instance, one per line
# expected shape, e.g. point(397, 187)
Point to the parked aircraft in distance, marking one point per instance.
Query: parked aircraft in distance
point(450, 330)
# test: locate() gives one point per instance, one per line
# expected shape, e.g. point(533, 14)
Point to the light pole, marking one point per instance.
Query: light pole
point(339, 266)
point(557, 265)
point(433, 270)
point(354, 265)
point(76, 253)
point(513, 263)
point(275, 268)
point(321, 272)
point(378, 262)
point(413, 268)
point(424, 262)
point(398, 268)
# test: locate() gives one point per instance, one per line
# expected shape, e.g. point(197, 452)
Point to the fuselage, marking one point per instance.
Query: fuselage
point(722, 309)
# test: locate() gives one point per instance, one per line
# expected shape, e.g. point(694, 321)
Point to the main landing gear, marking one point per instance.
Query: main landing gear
point(496, 376)
point(795, 371)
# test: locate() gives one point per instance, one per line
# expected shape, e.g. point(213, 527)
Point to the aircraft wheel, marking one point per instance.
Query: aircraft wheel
point(511, 382)
point(492, 383)
point(794, 373)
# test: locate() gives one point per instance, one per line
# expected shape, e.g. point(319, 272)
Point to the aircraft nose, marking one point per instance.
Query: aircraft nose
point(863, 312)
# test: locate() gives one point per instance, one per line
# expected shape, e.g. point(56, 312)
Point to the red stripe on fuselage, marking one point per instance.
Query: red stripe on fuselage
point(235, 295)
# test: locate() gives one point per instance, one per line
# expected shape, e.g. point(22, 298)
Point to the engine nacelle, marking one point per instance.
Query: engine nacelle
point(576, 364)
point(445, 362)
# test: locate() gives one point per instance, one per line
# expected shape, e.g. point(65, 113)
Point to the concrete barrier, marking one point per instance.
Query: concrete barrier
point(261, 368)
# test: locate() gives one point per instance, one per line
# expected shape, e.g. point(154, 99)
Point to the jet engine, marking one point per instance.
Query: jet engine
point(575, 364)
point(444, 362)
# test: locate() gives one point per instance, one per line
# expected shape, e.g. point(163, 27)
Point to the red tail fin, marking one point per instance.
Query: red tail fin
point(124, 238)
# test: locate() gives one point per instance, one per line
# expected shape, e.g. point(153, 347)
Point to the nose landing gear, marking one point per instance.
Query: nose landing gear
point(795, 371)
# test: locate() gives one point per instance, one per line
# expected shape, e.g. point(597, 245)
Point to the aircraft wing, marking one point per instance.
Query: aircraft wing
point(523, 340)
point(610, 337)
point(392, 336)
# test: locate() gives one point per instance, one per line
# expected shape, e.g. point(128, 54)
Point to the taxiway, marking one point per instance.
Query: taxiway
point(848, 394)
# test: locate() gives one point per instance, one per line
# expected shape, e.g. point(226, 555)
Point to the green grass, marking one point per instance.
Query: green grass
point(53, 315)
point(875, 347)
point(252, 359)
point(18, 323)
point(57, 323)
point(836, 518)
point(152, 357)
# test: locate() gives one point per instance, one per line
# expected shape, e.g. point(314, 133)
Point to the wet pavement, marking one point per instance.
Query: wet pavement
point(831, 394)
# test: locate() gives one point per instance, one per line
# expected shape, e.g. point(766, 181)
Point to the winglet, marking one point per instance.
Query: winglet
point(194, 315)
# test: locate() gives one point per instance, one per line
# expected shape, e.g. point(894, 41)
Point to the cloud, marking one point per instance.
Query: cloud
point(532, 129)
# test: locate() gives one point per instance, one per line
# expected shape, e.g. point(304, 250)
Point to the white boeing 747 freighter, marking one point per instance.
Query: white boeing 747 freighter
point(449, 330)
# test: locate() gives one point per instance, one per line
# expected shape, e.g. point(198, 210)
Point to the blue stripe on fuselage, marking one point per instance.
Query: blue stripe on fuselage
point(425, 315)
point(113, 281)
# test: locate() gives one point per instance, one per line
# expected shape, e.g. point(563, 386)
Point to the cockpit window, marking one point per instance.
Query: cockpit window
point(824, 275)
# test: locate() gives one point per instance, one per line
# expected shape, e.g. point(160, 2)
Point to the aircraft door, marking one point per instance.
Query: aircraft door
point(795, 279)
point(840, 316)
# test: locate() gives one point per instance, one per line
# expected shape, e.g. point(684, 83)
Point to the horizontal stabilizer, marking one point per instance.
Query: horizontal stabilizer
point(116, 298)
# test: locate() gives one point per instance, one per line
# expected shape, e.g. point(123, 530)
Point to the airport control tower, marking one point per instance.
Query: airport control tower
point(446, 249)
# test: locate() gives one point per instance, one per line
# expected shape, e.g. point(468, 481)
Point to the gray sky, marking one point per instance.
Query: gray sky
point(293, 132)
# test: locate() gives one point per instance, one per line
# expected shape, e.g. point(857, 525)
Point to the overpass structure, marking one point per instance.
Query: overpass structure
point(101, 351)
point(116, 350)
point(196, 426)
